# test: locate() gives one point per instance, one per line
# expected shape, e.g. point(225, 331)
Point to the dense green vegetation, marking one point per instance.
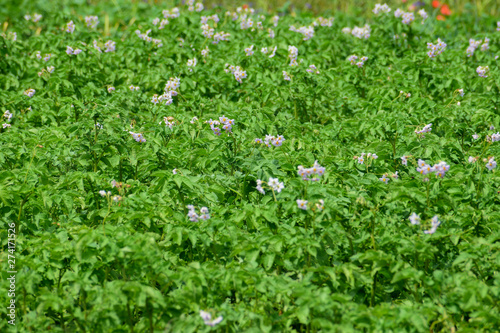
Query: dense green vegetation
point(263, 179)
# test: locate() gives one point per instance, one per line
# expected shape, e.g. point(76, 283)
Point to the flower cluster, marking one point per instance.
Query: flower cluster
point(107, 194)
point(381, 9)
point(404, 160)
point(173, 85)
point(353, 60)
point(302, 204)
point(30, 92)
point(133, 88)
point(312, 69)
point(10, 36)
point(192, 6)
point(193, 217)
point(45, 58)
point(273, 184)
point(491, 164)
point(71, 51)
point(221, 36)
point(204, 19)
point(163, 22)
point(207, 318)
point(271, 140)
point(110, 46)
point(495, 137)
point(138, 137)
point(7, 114)
point(169, 121)
point(483, 71)
point(91, 21)
point(110, 89)
point(307, 32)
point(427, 129)
point(249, 51)
point(434, 224)
point(436, 49)
point(226, 122)
point(35, 18)
point(313, 173)
point(439, 169)
point(385, 177)
point(324, 22)
point(293, 52)
point(423, 14)
point(474, 44)
point(207, 31)
point(361, 32)
point(415, 220)
point(204, 52)
point(191, 63)
point(361, 159)
point(70, 27)
point(237, 71)
point(173, 13)
point(148, 39)
point(286, 76)
point(408, 17)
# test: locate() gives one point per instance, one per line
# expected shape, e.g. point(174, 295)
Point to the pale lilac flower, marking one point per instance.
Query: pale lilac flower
point(483, 71)
point(5, 125)
point(70, 27)
point(381, 9)
point(110, 89)
point(273, 53)
point(91, 21)
point(361, 32)
point(414, 219)
point(249, 51)
point(492, 164)
point(320, 204)
point(434, 224)
point(7, 114)
point(174, 171)
point(408, 18)
point(110, 46)
point(404, 160)
point(473, 159)
point(138, 137)
point(495, 137)
point(302, 204)
point(313, 173)
point(286, 76)
point(436, 49)
point(207, 318)
point(423, 14)
point(384, 179)
point(30, 92)
point(475, 136)
point(36, 17)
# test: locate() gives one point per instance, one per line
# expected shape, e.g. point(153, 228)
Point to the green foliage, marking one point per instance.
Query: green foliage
point(132, 261)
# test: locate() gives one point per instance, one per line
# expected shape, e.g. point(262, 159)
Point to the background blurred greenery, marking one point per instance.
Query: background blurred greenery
point(364, 7)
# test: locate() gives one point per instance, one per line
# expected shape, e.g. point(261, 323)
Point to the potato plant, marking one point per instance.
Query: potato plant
point(209, 169)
